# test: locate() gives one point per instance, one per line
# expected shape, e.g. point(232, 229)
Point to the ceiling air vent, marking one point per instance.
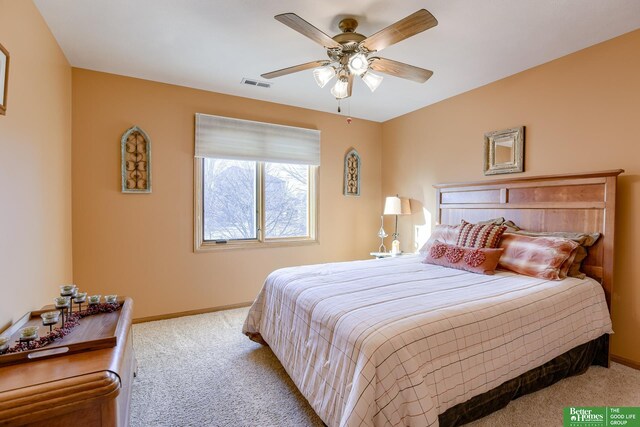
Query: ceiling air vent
point(252, 82)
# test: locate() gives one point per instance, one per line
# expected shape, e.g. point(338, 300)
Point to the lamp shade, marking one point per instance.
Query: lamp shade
point(323, 75)
point(340, 89)
point(358, 64)
point(394, 205)
point(372, 80)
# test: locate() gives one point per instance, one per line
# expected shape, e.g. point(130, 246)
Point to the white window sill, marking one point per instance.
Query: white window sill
point(253, 244)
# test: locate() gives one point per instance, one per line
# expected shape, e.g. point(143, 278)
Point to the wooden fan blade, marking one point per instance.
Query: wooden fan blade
point(349, 85)
point(400, 69)
point(294, 69)
point(410, 26)
point(293, 21)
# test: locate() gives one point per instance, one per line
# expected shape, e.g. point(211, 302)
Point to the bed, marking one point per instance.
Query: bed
point(398, 342)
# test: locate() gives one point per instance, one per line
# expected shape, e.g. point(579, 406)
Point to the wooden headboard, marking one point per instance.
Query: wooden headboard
point(579, 202)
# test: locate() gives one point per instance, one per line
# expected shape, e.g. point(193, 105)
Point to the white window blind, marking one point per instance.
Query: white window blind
point(235, 139)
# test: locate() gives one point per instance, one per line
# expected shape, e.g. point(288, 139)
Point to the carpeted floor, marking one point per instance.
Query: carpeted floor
point(201, 371)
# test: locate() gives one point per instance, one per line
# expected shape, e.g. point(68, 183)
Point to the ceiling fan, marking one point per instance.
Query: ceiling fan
point(352, 54)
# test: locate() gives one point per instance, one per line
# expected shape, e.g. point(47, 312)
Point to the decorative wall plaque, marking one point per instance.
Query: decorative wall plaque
point(352, 173)
point(136, 161)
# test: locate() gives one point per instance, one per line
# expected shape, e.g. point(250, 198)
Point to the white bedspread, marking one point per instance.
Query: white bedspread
point(397, 342)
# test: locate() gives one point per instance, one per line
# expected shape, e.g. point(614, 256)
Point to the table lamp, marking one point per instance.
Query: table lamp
point(394, 205)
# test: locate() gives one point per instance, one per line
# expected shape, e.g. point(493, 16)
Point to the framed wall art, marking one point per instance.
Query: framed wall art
point(352, 173)
point(135, 148)
point(504, 151)
point(4, 79)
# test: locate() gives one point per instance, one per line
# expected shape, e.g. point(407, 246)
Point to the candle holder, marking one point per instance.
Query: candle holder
point(111, 299)
point(79, 299)
point(29, 333)
point(4, 344)
point(94, 299)
point(50, 318)
point(382, 234)
point(61, 304)
point(73, 295)
point(67, 290)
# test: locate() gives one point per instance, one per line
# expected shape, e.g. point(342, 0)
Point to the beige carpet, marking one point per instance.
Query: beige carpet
point(201, 371)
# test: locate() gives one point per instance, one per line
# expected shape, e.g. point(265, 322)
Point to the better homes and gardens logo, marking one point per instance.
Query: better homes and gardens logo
point(579, 417)
point(601, 416)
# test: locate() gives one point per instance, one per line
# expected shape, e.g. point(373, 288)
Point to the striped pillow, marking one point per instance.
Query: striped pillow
point(585, 240)
point(480, 235)
point(543, 257)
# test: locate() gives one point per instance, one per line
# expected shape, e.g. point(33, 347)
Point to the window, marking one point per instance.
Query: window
point(249, 199)
point(230, 201)
point(286, 200)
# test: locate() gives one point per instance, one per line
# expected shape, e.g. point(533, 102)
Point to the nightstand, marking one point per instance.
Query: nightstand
point(388, 254)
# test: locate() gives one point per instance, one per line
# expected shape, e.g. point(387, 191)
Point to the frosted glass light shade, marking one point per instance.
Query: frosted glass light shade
point(323, 75)
point(394, 205)
point(372, 80)
point(358, 64)
point(339, 90)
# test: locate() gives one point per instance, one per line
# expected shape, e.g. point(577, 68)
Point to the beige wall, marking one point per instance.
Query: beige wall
point(35, 164)
point(142, 244)
point(581, 113)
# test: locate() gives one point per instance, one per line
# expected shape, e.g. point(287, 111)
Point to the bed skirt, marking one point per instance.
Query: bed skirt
point(573, 362)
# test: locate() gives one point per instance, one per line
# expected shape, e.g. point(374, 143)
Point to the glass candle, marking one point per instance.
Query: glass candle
point(29, 332)
point(67, 290)
point(50, 317)
point(4, 344)
point(81, 297)
point(62, 302)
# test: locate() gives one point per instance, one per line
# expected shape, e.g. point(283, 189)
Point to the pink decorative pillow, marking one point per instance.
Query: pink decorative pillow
point(480, 235)
point(543, 257)
point(443, 233)
point(475, 260)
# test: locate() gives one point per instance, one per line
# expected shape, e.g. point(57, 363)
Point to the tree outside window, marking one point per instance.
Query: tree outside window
point(231, 190)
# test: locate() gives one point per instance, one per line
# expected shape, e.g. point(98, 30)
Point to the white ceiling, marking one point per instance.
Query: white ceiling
point(213, 44)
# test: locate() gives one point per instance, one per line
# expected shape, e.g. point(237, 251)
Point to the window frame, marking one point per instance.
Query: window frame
point(201, 245)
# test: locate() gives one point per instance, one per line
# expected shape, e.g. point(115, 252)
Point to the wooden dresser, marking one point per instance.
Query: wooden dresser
point(92, 388)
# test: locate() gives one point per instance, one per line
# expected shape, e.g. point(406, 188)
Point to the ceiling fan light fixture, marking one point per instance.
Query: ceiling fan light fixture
point(323, 75)
point(352, 54)
point(372, 80)
point(339, 90)
point(358, 64)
